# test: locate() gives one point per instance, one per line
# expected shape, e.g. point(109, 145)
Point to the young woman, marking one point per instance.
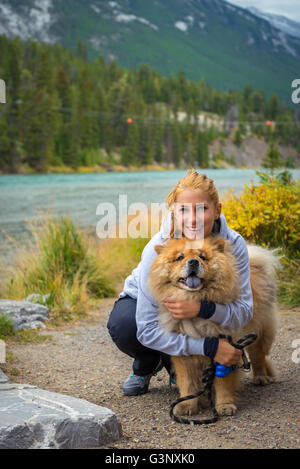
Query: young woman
point(133, 322)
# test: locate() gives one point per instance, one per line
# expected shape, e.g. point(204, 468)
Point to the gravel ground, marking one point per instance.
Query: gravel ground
point(82, 361)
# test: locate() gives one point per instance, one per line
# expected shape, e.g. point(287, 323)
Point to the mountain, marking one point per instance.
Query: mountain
point(227, 45)
point(278, 21)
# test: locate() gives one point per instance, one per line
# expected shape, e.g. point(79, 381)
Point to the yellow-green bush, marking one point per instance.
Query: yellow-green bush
point(267, 214)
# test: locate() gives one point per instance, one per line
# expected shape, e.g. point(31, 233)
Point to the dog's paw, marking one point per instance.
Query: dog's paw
point(226, 409)
point(186, 408)
point(263, 380)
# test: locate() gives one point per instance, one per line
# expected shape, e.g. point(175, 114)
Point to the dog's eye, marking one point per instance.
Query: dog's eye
point(202, 257)
point(180, 258)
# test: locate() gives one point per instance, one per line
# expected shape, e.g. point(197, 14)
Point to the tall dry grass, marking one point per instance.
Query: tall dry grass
point(59, 263)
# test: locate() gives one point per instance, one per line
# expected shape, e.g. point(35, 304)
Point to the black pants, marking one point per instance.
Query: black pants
point(122, 328)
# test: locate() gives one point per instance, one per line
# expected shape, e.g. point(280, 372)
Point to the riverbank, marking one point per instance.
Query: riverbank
point(105, 168)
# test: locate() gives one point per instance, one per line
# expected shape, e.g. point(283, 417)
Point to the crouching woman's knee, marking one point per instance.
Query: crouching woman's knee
point(122, 324)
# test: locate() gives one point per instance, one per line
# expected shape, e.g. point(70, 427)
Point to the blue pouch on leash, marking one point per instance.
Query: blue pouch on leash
point(222, 370)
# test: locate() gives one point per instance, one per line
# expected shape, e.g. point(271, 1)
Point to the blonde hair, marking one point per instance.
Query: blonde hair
point(192, 180)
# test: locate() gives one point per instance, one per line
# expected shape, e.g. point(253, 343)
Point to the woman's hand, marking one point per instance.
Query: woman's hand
point(182, 309)
point(227, 354)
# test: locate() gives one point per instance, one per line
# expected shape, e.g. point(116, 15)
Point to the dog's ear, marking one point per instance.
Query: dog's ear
point(159, 248)
point(220, 244)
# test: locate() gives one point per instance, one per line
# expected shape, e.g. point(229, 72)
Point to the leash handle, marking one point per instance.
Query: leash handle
point(240, 345)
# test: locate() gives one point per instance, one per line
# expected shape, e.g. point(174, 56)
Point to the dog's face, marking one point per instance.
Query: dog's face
point(186, 266)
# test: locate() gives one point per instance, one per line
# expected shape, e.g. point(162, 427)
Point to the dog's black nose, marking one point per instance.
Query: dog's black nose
point(193, 263)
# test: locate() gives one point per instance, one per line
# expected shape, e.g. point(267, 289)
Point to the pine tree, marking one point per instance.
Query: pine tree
point(5, 147)
point(44, 73)
point(158, 142)
point(86, 112)
point(146, 147)
point(81, 51)
point(202, 150)
point(189, 146)
point(258, 101)
point(168, 140)
point(12, 110)
point(176, 144)
point(102, 115)
point(131, 149)
point(285, 128)
point(38, 141)
point(272, 159)
point(146, 84)
point(64, 147)
point(273, 107)
point(238, 137)
point(40, 103)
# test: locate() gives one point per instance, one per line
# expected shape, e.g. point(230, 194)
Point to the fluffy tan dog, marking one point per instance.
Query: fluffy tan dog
point(209, 273)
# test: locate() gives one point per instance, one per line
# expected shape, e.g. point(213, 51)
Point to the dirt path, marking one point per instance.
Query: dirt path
point(83, 362)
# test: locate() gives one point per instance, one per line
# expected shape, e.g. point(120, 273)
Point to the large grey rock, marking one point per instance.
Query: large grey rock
point(25, 315)
point(34, 418)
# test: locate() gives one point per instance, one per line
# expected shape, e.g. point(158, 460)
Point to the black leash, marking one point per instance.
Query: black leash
point(208, 379)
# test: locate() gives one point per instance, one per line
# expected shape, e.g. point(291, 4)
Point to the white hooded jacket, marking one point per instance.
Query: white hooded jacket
point(234, 315)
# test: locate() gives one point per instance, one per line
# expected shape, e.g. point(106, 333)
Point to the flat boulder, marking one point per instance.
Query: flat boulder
point(32, 418)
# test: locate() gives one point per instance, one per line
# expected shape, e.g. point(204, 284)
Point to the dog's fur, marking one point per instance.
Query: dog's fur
point(219, 283)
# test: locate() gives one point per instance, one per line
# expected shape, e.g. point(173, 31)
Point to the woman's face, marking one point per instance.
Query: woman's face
point(195, 213)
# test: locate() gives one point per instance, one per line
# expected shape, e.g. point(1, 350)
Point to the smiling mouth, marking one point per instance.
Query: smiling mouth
point(191, 281)
point(192, 229)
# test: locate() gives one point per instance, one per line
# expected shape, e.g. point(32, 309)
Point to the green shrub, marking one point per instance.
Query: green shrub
point(6, 326)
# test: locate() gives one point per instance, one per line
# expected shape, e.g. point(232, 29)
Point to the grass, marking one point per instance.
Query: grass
point(6, 327)
point(71, 267)
point(61, 264)
point(288, 283)
point(10, 334)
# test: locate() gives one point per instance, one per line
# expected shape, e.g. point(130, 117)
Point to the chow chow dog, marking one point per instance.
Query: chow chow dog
point(184, 270)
